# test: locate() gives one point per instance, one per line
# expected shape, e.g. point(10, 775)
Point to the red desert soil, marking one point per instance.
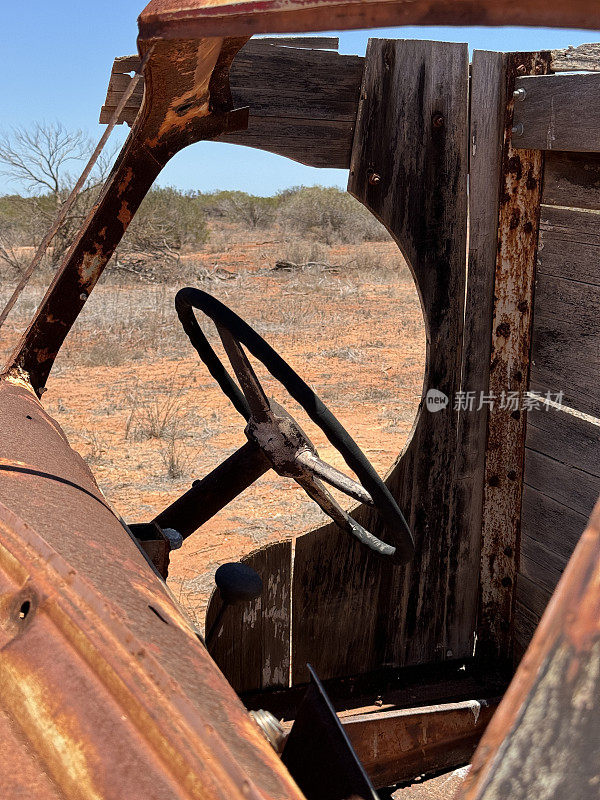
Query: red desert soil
point(136, 402)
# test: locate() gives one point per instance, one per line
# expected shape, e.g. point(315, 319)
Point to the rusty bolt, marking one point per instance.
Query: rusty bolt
point(521, 69)
point(83, 296)
point(437, 121)
point(374, 178)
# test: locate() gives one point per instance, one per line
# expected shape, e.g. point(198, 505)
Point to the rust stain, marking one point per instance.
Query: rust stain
point(56, 734)
point(124, 215)
point(513, 303)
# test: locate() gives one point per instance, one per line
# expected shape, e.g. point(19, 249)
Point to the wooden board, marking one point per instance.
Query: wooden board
point(559, 112)
point(562, 485)
point(570, 245)
point(252, 644)
point(353, 612)
point(585, 57)
point(566, 340)
point(511, 330)
point(571, 180)
point(488, 102)
point(302, 102)
point(566, 438)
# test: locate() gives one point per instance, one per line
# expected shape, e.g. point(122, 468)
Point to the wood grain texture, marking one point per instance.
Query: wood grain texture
point(585, 57)
point(252, 645)
point(559, 112)
point(509, 368)
point(565, 353)
point(488, 101)
point(562, 485)
point(303, 102)
point(572, 180)
point(566, 438)
point(569, 245)
point(352, 611)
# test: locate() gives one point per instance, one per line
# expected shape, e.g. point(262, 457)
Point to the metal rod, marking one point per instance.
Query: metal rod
point(209, 495)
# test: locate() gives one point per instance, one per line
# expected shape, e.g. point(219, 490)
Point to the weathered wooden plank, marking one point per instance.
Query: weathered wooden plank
point(302, 102)
point(524, 628)
point(543, 741)
point(316, 143)
point(127, 63)
point(531, 602)
point(488, 105)
point(565, 352)
point(352, 611)
point(540, 565)
point(566, 438)
point(571, 180)
point(533, 596)
point(574, 488)
point(252, 644)
point(569, 244)
point(551, 524)
point(559, 112)
point(585, 58)
point(511, 331)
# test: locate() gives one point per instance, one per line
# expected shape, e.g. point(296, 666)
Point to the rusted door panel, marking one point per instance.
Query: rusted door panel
point(100, 670)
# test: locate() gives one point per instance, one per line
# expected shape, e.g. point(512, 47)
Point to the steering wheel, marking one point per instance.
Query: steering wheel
point(280, 440)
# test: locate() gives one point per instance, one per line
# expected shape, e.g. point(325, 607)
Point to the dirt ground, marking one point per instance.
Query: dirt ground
point(136, 402)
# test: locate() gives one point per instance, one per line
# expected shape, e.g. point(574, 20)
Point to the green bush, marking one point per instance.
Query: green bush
point(328, 215)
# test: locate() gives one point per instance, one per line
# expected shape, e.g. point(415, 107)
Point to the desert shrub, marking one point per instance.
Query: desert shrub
point(250, 210)
point(167, 223)
point(328, 215)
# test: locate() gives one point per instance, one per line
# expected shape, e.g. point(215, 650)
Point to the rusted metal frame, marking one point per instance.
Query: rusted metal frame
point(520, 193)
point(126, 660)
point(558, 673)
point(53, 620)
point(167, 18)
point(209, 495)
point(187, 99)
point(397, 746)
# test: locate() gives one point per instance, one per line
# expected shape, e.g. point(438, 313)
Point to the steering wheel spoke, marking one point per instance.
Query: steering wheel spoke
point(256, 398)
point(311, 462)
point(315, 489)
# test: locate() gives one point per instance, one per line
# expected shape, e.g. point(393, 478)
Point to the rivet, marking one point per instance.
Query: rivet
point(522, 69)
point(83, 296)
point(374, 178)
point(517, 130)
point(519, 94)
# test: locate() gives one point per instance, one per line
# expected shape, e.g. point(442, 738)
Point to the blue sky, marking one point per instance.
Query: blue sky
point(57, 57)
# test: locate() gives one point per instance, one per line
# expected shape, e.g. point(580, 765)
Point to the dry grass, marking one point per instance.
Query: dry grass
point(133, 398)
